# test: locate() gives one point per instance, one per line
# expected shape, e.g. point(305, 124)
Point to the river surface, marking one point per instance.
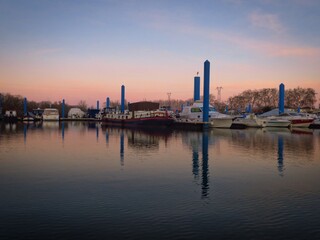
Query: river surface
point(87, 181)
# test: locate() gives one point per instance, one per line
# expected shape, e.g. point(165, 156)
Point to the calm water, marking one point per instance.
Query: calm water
point(86, 181)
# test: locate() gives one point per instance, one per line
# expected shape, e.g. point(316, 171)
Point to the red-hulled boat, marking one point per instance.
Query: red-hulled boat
point(142, 114)
point(138, 118)
point(297, 120)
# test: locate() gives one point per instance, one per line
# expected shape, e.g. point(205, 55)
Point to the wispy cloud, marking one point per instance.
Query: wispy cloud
point(267, 21)
point(286, 47)
point(269, 48)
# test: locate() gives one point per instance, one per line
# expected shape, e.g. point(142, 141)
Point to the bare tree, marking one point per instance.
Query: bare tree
point(83, 105)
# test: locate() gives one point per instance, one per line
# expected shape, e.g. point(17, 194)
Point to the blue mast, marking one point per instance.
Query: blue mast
point(281, 98)
point(206, 91)
point(25, 107)
point(63, 108)
point(196, 93)
point(108, 102)
point(122, 98)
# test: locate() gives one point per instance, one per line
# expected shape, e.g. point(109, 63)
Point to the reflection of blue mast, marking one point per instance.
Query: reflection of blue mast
point(122, 148)
point(205, 170)
point(97, 132)
point(62, 130)
point(280, 156)
point(25, 133)
point(107, 136)
point(195, 163)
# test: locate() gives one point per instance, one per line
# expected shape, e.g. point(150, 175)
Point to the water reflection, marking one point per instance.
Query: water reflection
point(280, 155)
point(251, 143)
point(168, 180)
point(199, 142)
point(122, 148)
point(62, 130)
point(195, 163)
point(107, 137)
point(143, 141)
point(97, 132)
point(24, 133)
point(50, 124)
point(205, 169)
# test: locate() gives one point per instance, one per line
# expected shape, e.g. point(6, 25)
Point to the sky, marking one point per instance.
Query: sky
point(85, 50)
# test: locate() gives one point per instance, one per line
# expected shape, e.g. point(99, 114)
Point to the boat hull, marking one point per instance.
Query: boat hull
point(213, 123)
point(221, 122)
point(247, 122)
point(50, 117)
point(274, 123)
point(140, 122)
point(301, 123)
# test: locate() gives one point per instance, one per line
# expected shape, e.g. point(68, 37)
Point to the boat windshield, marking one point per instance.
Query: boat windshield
point(211, 109)
point(50, 111)
point(196, 109)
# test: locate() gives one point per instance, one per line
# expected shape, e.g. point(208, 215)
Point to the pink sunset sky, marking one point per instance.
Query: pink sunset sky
point(85, 50)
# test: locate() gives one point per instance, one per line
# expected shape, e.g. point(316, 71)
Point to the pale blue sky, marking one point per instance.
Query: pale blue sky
point(156, 46)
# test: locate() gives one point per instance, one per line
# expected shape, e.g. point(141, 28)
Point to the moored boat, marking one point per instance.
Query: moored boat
point(50, 114)
point(10, 116)
point(247, 120)
point(37, 114)
point(194, 113)
point(273, 122)
point(138, 118)
point(297, 120)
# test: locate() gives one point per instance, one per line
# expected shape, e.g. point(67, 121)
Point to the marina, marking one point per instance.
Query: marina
point(169, 120)
point(200, 115)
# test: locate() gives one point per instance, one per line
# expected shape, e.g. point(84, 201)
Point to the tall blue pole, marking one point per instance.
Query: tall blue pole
point(25, 106)
point(97, 104)
point(281, 98)
point(122, 98)
point(63, 108)
point(196, 93)
point(206, 91)
point(108, 102)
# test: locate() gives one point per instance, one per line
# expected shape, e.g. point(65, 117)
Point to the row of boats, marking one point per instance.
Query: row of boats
point(192, 115)
point(47, 114)
point(189, 116)
point(219, 120)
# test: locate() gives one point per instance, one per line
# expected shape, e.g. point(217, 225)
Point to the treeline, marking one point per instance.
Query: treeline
point(15, 102)
point(260, 100)
point(268, 98)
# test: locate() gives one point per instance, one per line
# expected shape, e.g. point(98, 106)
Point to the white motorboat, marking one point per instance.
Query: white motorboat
point(76, 113)
point(194, 113)
point(247, 120)
point(50, 114)
point(273, 122)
